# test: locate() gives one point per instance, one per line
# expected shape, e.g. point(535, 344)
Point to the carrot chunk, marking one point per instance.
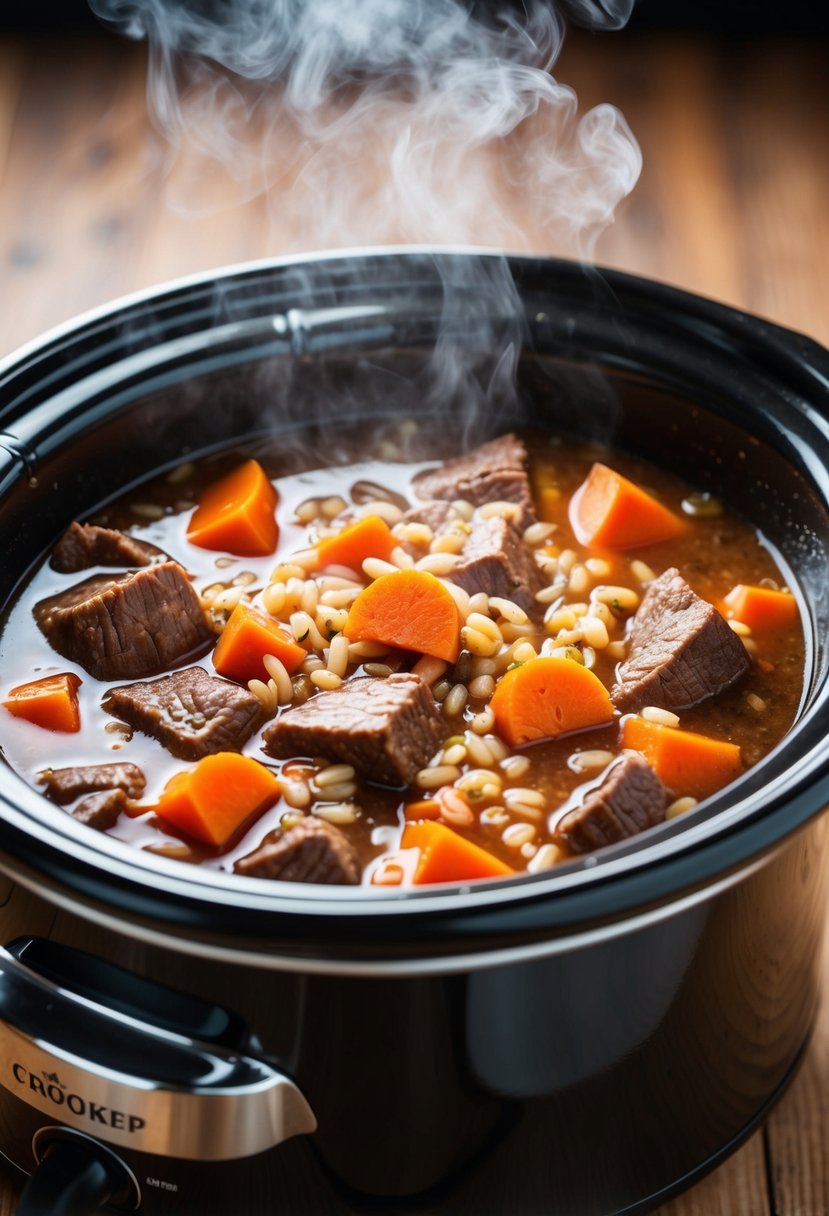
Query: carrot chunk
point(688, 764)
point(212, 801)
point(369, 537)
point(236, 514)
point(409, 609)
point(51, 702)
point(546, 697)
point(426, 808)
point(447, 857)
point(246, 638)
point(761, 608)
point(611, 512)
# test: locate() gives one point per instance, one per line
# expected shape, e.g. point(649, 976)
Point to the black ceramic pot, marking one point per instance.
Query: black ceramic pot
point(581, 1042)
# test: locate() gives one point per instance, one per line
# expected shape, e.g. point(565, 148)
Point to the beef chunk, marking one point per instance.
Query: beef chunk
point(386, 727)
point(681, 650)
point(435, 515)
point(101, 810)
point(64, 785)
point(496, 560)
point(313, 851)
point(191, 713)
point(496, 471)
point(130, 626)
point(629, 799)
point(85, 545)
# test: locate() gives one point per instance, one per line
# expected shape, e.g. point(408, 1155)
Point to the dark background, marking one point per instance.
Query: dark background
point(734, 18)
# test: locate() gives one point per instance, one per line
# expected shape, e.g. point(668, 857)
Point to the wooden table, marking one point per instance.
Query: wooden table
point(732, 203)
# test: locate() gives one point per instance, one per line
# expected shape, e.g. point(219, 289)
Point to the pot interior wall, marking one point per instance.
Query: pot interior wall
point(305, 409)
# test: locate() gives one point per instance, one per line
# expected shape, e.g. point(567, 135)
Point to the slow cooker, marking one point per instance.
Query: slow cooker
point(584, 1041)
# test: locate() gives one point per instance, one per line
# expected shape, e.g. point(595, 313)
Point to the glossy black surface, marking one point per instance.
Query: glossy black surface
point(585, 1083)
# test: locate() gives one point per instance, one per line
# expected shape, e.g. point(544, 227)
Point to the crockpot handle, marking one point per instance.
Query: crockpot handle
point(121, 1063)
point(75, 1177)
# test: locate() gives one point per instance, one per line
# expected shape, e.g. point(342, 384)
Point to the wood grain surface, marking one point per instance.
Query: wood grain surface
point(732, 203)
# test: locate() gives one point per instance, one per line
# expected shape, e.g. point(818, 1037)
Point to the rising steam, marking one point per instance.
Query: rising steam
point(375, 121)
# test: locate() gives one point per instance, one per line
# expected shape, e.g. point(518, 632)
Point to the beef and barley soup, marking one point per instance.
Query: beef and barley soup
point(399, 673)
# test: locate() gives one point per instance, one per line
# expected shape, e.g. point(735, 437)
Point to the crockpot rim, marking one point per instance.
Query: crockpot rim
point(555, 887)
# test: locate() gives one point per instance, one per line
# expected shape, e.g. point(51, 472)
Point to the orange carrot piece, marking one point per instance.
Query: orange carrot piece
point(688, 764)
point(236, 514)
point(611, 512)
point(51, 702)
point(426, 808)
point(246, 638)
point(212, 801)
point(369, 537)
point(761, 608)
point(446, 856)
point(409, 609)
point(546, 697)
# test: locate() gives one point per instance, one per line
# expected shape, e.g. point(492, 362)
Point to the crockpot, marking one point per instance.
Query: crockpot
point(583, 1041)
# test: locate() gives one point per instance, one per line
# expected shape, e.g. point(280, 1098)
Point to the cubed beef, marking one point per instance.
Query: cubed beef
point(388, 728)
point(190, 712)
point(101, 810)
point(312, 851)
point(64, 785)
point(629, 799)
point(130, 626)
point(495, 471)
point(85, 545)
point(435, 515)
point(496, 560)
point(681, 650)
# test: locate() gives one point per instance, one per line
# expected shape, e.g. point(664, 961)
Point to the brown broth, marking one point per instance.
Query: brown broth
point(719, 551)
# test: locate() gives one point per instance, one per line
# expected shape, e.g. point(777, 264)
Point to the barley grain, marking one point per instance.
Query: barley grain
point(439, 564)
point(339, 813)
point(338, 655)
point(455, 700)
point(515, 767)
point(429, 669)
point(641, 571)
point(375, 567)
point(517, 834)
point(679, 807)
point(580, 762)
point(537, 533)
point(454, 808)
point(662, 717)
point(484, 721)
point(436, 776)
point(481, 687)
point(278, 673)
point(296, 793)
point(328, 681)
point(546, 857)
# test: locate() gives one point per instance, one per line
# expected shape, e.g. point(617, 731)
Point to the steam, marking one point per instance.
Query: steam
point(369, 122)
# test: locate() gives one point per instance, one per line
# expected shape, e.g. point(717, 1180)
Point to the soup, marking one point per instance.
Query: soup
point(399, 673)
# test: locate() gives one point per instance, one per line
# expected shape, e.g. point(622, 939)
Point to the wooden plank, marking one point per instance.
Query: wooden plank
point(737, 1187)
point(12, 58)
point(731, 202)
point(798, 1131)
